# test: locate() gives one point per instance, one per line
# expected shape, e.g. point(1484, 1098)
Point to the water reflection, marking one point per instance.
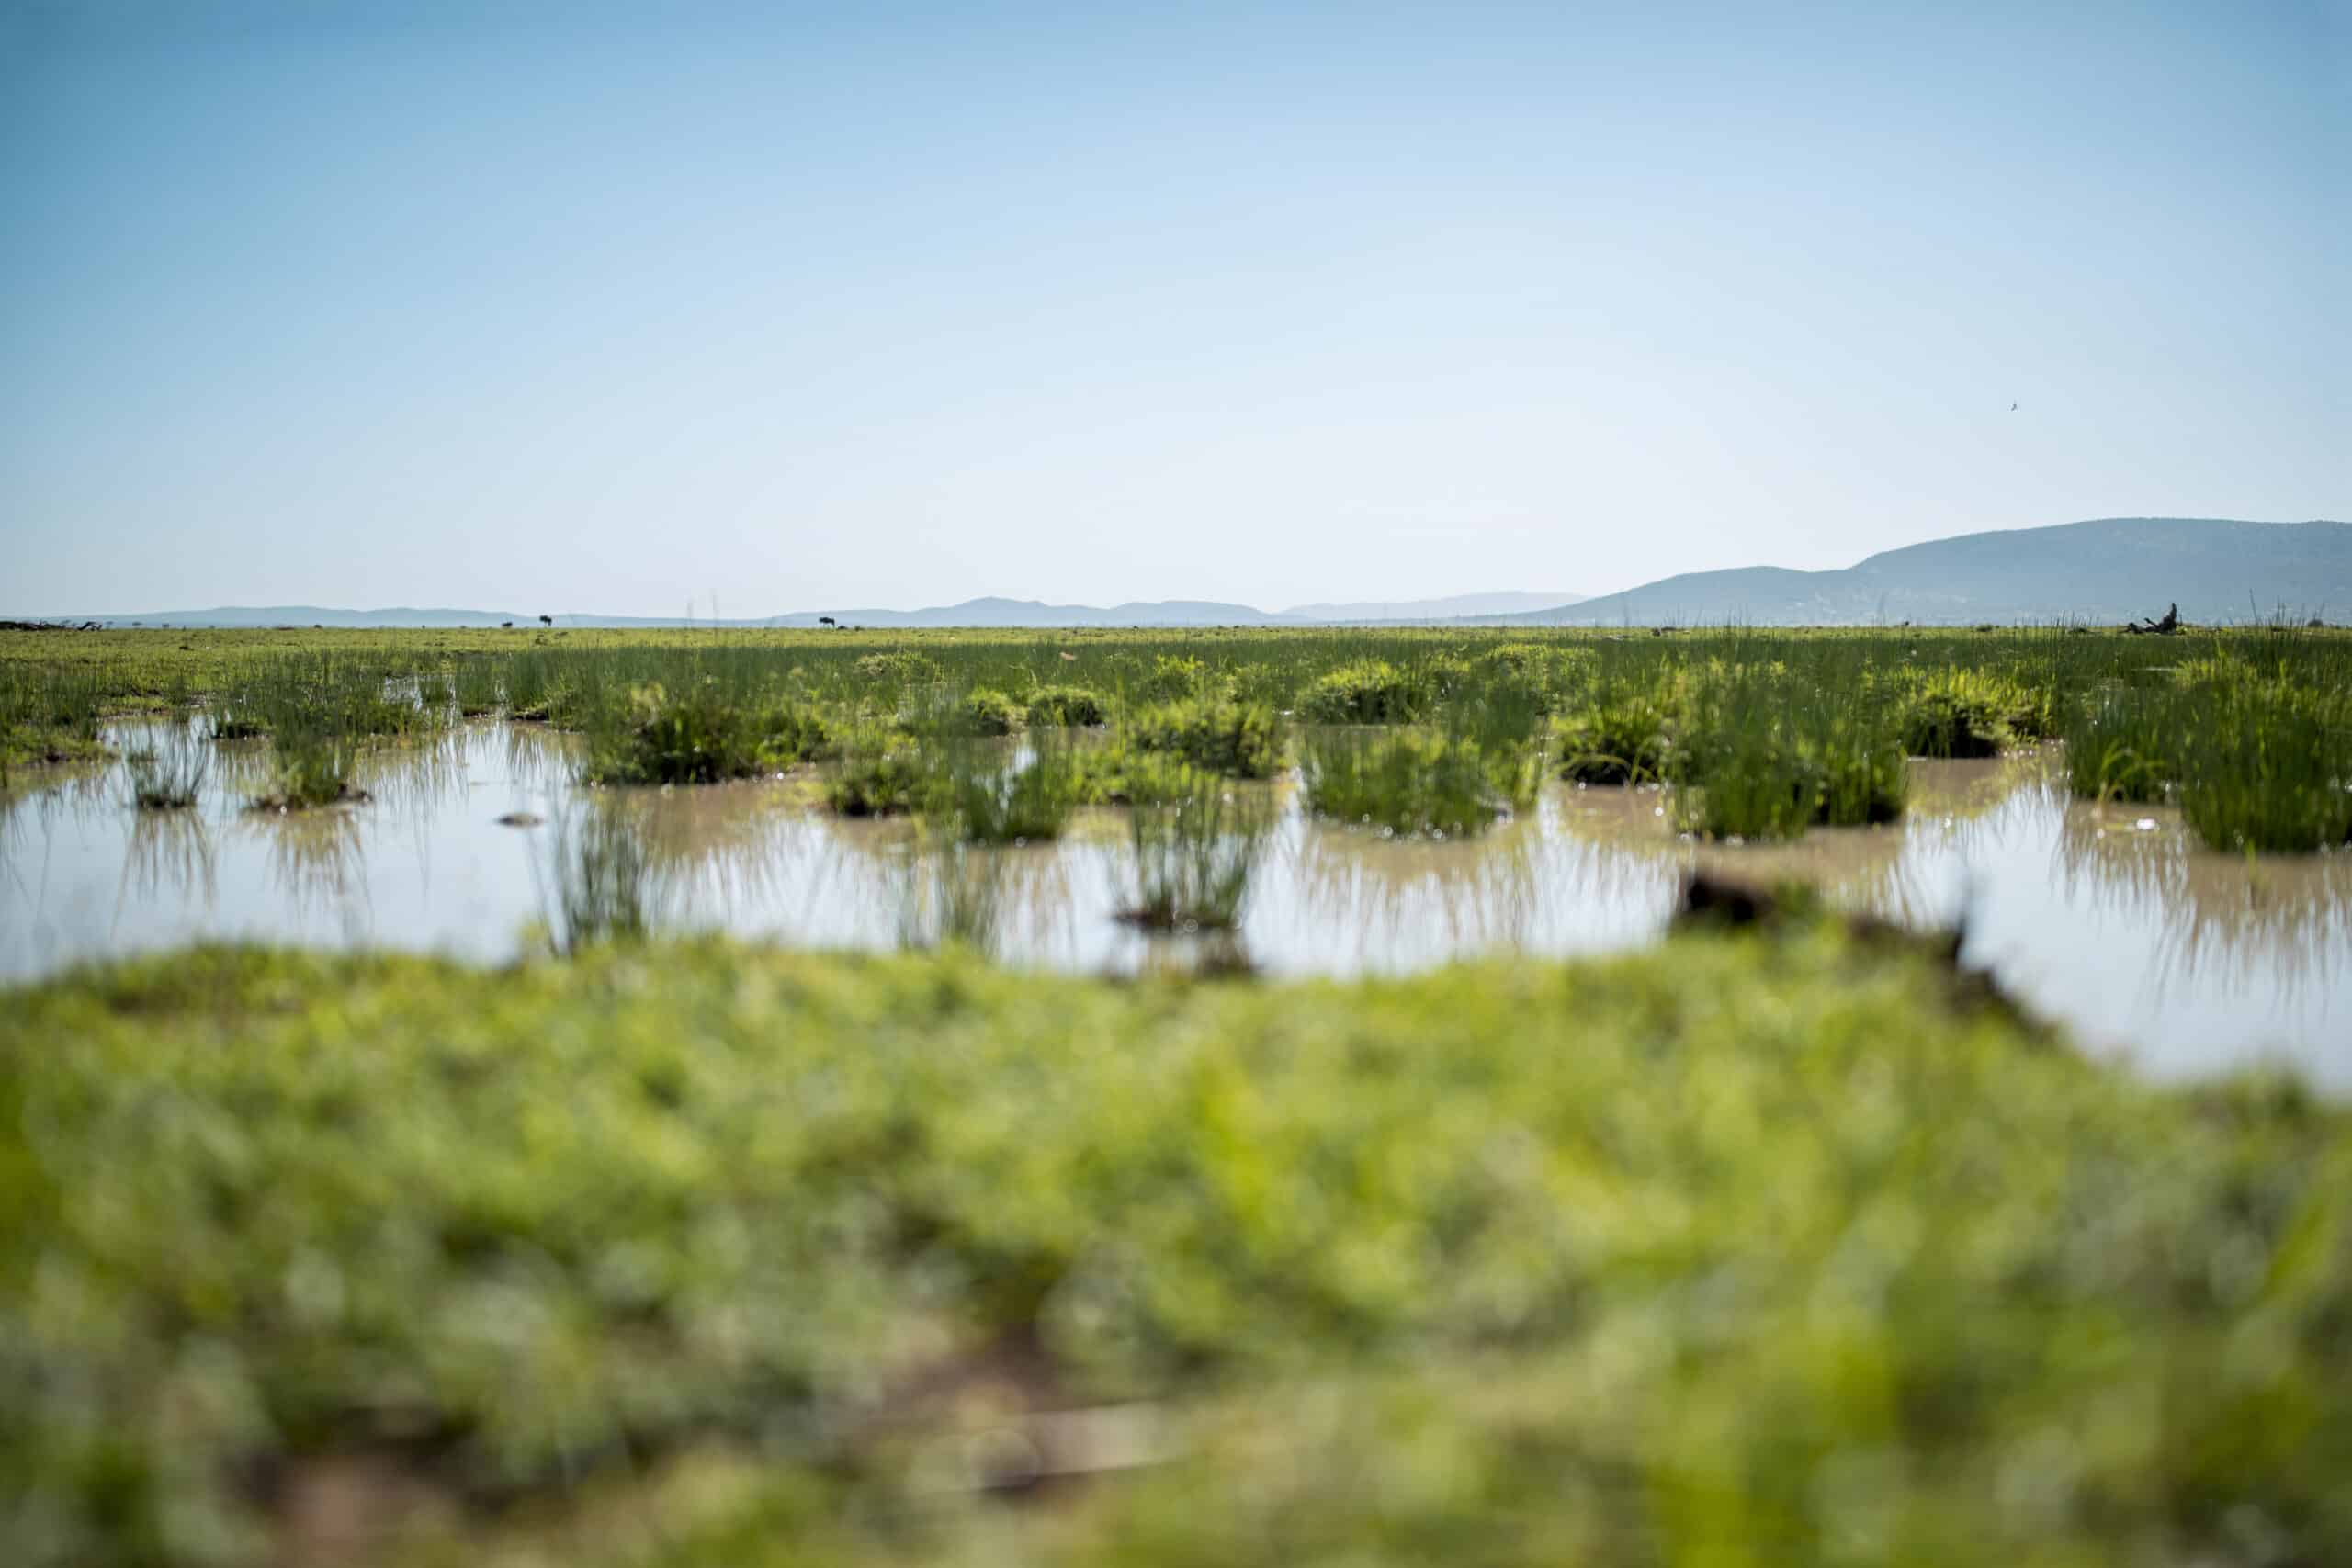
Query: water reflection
point(2130, 933)
point(170, 855)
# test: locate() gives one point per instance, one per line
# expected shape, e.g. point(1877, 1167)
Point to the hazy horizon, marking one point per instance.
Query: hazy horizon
point(534, 308)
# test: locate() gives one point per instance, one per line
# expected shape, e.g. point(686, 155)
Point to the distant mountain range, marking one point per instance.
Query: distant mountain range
point(2108, 570)
point(970, 613)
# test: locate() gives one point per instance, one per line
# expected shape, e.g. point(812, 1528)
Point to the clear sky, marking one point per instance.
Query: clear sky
point(616, 310)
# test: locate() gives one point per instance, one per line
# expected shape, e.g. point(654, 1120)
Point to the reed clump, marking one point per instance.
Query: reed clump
point(1237, 740)
point(2271, 768)
point(1620, 735)
point(168, 772)
point(1070, 707)
point(1415, 782)
point(699, 734)
point(1764, 756)
point(1372, 692)
point(988, 797)
point(881, 775)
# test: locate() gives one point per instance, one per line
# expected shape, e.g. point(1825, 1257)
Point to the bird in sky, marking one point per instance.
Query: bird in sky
point(2013, 408)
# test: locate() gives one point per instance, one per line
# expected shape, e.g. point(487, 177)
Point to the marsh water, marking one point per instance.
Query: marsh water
point(2111, 920)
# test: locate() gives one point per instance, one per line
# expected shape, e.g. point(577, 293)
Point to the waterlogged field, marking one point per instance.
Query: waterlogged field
point(1176, 1097)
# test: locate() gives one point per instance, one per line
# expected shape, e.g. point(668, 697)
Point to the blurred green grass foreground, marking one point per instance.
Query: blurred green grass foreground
point(1756, 1248)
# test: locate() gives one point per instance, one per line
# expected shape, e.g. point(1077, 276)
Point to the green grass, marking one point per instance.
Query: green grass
point(2270, 769)
point(990, 795)
point(881, 775)
point(1374, 692)
point(1066, 706)
point(1415, 782)
point(1763, 755)
point(1748, 1250)
point(168, 774)
point(699, 736)
point(1961, 713)
point(1238, 740)
point(2124, 743)
point(1618, 738)
point(310, 767)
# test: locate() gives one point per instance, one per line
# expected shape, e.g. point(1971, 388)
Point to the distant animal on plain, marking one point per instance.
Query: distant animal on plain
point(547, 620)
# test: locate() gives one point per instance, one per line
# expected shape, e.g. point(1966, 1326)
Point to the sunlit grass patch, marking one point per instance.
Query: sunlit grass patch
point(1760, 756)
point(1959, 713)
point(2270, 769)
point(1615, 737)
point(1373, 692)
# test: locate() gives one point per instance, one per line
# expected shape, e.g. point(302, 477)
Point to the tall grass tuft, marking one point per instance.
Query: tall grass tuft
point(1066, 708)
point(990, 797)
point(1373, 692)
point(169, 775)
point(310, 767)
point(2271, 768)
point(1620, 735)
point(2123, 742)
point(1238, 740)
point(1764, 756)
point(1194, 851)
point(1959, 713)
point(881, 775)
point(700, 735)
point(1414, 781)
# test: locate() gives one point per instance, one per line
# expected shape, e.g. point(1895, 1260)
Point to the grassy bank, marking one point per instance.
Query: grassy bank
point(1751, 1249)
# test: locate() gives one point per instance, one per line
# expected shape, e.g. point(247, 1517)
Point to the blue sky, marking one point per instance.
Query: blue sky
point(629, 309)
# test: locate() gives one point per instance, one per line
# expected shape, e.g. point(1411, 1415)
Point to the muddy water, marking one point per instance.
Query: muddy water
point(2111, 920)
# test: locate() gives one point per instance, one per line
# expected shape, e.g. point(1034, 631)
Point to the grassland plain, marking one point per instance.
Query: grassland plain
point(1759, 1247)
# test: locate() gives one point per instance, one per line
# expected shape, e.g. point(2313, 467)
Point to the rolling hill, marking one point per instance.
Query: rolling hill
point(2108, 570)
